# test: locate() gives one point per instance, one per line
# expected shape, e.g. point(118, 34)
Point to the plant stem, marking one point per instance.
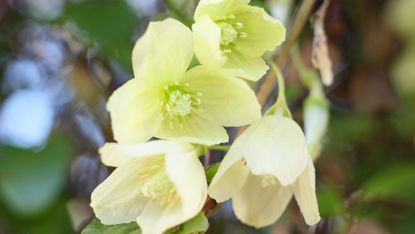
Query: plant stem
point(280, 106)
point(267, 85)
point(219, 147)
point(270, 79)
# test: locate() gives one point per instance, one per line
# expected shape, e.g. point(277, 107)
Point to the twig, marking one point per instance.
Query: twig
point(206, 160)
point(266, 87)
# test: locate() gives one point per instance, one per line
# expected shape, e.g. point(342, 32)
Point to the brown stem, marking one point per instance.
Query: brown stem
point(206, 160)
point(266, 87)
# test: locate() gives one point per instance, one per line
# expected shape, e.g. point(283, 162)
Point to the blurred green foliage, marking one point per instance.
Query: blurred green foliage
point(31, 185)
point(198, 224)
point(109, 23)
point(96, 227)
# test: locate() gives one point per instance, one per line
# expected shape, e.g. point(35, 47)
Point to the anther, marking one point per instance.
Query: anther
point(243, 34)
point(239, 25)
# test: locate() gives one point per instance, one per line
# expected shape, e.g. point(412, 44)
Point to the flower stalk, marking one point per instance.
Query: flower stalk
point(303, 13)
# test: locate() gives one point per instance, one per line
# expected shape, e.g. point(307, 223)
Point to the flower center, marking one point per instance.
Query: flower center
point(230, 31)
point(156, 183)
point(179, 102)
point(268, 180)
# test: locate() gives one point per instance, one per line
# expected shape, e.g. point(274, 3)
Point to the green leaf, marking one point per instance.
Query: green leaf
point(198, 224)
point(30, 181)
point(403, 118)
point(330, 202)
point(110, 23)
point(350, 128)
point(211, 171)
point(53, 220)
point(396, 182)
point(96, 227)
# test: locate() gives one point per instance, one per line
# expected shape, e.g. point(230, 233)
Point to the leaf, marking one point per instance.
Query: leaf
point(330, 202)
point(30, 181)
point(351, 128)
point(110, 23)
point(397, 182)
point(198, 224)
point(96, 227)
point(53, 220)
point(211, 171)
point(403, 118)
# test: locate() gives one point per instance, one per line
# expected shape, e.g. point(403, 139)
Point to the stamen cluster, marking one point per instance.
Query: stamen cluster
point(230, 31)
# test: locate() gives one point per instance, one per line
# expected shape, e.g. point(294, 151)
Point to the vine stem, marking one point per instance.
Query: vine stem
point(219, 147)
point(267, 85)
point(269, 81)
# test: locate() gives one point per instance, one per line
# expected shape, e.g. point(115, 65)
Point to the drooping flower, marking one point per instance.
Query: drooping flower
point(234, 35)
point(316, 120)
point(264, 167)
point(167, 101)
point(159, 184)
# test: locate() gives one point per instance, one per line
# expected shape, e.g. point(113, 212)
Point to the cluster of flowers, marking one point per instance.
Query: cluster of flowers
point(161, 183)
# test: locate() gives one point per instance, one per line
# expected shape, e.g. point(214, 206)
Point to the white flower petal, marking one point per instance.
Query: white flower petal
point(228, 101)
point(164, 52)
point(264, 32)
point(114, 155)
point(229, 178)
point(240, 65)
point(316, 118)
point(207, 36)
point(119, 199)
point(259, 206)
point(187, 174)
point(135, 111)
point(217, 7)
point(194, 128)
point(277, 146)
point(305, 195)
point(157, 220)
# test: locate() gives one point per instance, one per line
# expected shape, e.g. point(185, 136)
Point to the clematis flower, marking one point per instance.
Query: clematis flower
point(234, 35)
point(316, 120)
point(159, 184)
point(169, 102)
point(264, 167)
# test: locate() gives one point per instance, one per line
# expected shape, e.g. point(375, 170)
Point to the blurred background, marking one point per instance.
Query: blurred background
point(61, 59)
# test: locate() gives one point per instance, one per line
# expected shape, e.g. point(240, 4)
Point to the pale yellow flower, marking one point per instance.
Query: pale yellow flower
point(264, 167)
point(159, 184)
point(316, 120)
point(234, 35)
point(168, 101)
